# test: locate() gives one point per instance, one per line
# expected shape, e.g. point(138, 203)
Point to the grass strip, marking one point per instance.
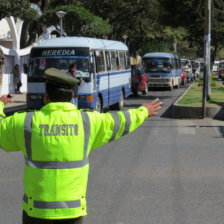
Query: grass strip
point(194, 95)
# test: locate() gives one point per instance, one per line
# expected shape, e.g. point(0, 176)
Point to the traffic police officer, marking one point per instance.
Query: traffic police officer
point(56, 142)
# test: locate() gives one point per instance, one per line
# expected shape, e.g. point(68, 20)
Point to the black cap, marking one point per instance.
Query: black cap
point(60, 78)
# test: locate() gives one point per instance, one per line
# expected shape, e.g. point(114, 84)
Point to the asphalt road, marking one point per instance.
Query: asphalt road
point(166, 172)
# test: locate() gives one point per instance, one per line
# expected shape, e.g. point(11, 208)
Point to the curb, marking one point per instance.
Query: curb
point(195, 112)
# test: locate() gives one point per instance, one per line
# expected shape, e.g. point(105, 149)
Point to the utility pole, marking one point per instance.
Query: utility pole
point(207, 57)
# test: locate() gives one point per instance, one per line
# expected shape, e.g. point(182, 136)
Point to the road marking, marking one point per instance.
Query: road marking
point(186, 128)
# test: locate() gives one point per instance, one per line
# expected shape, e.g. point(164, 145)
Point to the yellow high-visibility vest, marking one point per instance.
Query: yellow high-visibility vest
point(56, 142)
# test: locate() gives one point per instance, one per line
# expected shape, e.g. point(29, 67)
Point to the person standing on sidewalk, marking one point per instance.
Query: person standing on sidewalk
point(56, 142)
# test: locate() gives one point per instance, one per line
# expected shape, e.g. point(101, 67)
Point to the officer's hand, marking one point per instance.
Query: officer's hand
point(153, 107)
point(7, 98)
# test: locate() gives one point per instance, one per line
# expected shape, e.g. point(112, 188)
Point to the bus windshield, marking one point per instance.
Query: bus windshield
point(156, 64)
point(43, 58)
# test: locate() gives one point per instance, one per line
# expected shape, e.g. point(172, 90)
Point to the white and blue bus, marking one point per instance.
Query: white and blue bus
point(163, 69)
point(103, 65)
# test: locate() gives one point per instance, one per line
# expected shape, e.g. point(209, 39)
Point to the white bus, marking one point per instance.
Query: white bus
point(163, 69)
point(104, 65)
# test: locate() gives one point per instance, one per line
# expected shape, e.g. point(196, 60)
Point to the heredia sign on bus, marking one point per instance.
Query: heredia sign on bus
point(58, 52)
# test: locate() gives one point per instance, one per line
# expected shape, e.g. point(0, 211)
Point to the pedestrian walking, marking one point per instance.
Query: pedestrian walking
point(16, 78)
point(2, 62)
point(56, 142)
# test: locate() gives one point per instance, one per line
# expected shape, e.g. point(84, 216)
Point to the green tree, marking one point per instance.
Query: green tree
point(140, 21)
point(190, 14)
point(16, 8)
point(77, 22)
point(134, 19)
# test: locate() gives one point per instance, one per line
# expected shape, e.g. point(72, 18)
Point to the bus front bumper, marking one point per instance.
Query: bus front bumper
point(160, 82)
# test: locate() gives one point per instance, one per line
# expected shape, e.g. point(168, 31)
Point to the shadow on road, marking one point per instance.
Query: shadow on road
point(168, 112)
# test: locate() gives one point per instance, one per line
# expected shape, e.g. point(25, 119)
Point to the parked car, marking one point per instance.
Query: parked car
point(139, 80)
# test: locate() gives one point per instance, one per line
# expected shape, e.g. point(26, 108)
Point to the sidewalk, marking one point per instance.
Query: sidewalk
point(19, 103)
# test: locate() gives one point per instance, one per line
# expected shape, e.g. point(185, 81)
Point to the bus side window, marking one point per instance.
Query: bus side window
point(113, 60)
point(122, 59)
point(127, 57)
point(118, 64)
point(100, 65)
point(108, 63)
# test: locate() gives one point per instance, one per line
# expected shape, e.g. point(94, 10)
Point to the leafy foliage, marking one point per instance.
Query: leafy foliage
point(151, 25)
point(16, 8)
point(136, 20)
point(77, 21)
point(191, 15)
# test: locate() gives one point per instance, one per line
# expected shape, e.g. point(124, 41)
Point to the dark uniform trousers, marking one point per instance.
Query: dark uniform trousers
point(30, 220)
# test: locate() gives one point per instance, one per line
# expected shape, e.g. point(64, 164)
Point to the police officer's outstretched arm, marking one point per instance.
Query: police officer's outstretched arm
point(107, 127)
point(10, 132)
point(153, 107)
point(7, 98)
point(3, 101)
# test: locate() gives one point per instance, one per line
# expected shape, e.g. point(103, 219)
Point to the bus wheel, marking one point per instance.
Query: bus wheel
point(98, 105)
point(120, 104)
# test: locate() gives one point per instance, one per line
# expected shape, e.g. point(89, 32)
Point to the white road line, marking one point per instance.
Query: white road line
point(186, 127)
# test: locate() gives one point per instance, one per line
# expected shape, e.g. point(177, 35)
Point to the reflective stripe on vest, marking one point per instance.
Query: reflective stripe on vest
point(57, 204)
point(53, 164)
point(127, 123)
point(53, 204)
point(116, 126)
